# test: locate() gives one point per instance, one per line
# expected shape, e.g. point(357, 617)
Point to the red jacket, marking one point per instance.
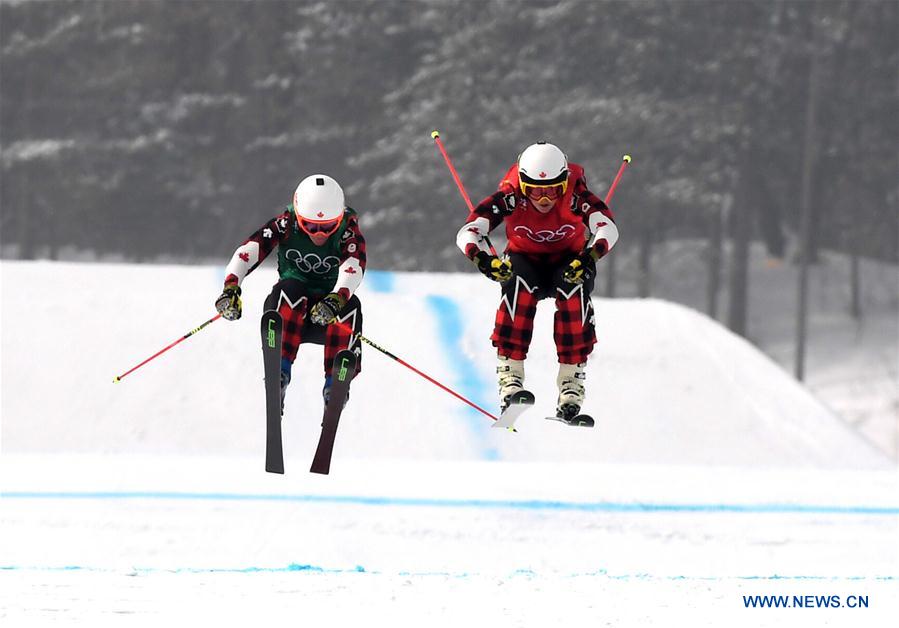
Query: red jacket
point(560, 232)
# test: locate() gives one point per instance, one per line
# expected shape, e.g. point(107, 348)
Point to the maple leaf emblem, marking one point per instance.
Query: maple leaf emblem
point(542, 175)
point(320, 215)
point(350, 270)
point(244, 256)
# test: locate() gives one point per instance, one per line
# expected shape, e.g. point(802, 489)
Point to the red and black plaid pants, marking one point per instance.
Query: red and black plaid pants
point(293, 302)
point(532, 280)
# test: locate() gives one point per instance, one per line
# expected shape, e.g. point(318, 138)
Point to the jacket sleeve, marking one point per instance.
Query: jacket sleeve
point(352, 259)
point(256, 248)
point(597, 216)
point(485, 218)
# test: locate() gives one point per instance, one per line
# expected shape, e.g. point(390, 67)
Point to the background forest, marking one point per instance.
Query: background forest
point(168, 131)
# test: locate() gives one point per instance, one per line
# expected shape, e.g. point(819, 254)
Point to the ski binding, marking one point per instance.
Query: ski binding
point(518, 403)
point(579, 420)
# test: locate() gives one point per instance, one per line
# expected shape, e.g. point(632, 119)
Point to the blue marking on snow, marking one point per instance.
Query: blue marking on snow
point(379, 280)
point(359, 569)
point(433, 502)
point(450, 329)
point(148, 570)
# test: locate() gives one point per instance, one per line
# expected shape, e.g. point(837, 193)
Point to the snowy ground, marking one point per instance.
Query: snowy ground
point(711, 474)
point(169, 540)
point(852, 365)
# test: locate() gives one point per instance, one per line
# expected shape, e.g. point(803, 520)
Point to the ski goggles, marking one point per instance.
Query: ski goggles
point(324, 227)
point(552, 192)
point(535, 188)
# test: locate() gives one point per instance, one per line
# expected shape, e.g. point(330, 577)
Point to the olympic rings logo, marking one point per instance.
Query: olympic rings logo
point(545, 235)
point(312, 263)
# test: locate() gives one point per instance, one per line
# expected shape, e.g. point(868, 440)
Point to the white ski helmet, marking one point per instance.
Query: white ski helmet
point(542, 164)
point(319, 201)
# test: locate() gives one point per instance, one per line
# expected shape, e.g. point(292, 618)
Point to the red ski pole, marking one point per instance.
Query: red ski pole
point(625, 160)
point(624, 163)
point(347, 328)
point(449, 164)
point(161, 351)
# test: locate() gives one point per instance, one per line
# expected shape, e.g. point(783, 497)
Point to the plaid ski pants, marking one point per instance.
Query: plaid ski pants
point(293, 302)
point(532, 280)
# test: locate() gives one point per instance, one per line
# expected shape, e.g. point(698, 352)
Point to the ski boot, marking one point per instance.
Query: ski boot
point(326, 391)
point(510, 378)
point(571, 395)
point(285, 380)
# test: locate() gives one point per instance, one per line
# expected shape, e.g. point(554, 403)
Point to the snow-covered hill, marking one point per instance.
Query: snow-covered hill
point(852, 365)
point(666, 384)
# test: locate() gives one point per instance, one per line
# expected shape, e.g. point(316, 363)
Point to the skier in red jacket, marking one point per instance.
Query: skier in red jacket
point(556, 230)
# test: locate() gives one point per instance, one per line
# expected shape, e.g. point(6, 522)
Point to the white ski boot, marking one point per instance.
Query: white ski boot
point(510, 378)
point(571, 390)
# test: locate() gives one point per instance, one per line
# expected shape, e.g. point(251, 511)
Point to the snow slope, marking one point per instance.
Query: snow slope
point(851, 365)
point(711, 474)
point(667, 385)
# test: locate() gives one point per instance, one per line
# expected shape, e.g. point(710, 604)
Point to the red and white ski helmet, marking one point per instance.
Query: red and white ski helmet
point(318, 198)
point(319, 204)
point(542, 164)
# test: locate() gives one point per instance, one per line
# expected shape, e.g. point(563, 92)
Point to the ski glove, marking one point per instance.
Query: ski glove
point(325, 311)
point(493, 267)
point(580, 269)
point(228, 304)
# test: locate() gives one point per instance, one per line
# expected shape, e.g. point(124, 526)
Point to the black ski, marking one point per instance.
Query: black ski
point(271, 359)
point(342, 374)
point(580, 420)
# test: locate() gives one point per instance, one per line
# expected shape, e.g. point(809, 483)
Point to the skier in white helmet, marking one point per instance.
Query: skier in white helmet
point(321, 260)
point(556, 231)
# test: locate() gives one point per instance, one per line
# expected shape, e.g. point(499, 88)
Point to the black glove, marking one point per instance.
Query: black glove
point(493, 267)
point(228, 304)
point(581, 268)
point(325, 311)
